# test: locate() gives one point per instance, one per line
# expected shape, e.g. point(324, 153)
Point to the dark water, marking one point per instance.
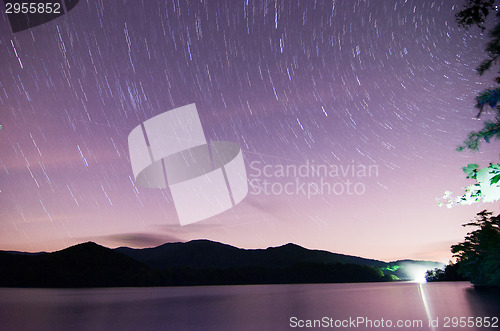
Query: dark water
point(259, 307)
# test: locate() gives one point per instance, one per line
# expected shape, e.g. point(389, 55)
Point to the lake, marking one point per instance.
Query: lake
point(254, 307)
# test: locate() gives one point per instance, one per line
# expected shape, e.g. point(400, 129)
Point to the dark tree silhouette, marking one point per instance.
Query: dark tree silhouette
point(487, 188)
point(476, 13)
point(449, 274)
point(478, 257)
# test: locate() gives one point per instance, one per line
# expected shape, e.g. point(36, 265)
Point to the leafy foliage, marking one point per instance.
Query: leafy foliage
point(490, 97)
point(486, 188)
point(491, 130)
point(478, 257)
point(450, 273)
point(470, 170)
point(475, 13)
point(493, 51)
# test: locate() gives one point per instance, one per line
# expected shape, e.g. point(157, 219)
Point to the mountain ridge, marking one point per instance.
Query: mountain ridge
point(271, 255)
point(197, 262)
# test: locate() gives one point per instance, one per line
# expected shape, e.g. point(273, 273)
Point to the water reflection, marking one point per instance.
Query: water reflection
point(259, 307)
point(483, 301)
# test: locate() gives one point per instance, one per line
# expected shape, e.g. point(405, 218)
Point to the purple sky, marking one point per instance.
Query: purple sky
point(389, 84)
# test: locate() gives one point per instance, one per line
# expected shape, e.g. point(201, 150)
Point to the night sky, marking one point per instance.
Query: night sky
point(389, 84)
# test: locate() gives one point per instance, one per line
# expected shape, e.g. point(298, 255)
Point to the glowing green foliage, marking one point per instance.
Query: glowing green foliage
point(486, 188)
point(470, 170)
point(391, 268)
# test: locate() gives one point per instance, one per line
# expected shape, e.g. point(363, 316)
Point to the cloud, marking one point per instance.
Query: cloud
point(139, 240)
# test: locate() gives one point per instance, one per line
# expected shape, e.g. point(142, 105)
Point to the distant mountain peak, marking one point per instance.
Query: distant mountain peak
point(86, 245)
point(292, 245)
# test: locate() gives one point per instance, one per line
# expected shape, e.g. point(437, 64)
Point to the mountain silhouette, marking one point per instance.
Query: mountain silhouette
point(198, 262)
point(83, 265)
point(210, 254)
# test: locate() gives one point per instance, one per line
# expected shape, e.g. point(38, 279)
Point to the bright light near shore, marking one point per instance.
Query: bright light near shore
point(420, 277)
point(418, 273)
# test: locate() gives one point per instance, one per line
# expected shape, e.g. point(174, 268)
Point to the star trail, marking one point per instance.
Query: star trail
point(389, 84)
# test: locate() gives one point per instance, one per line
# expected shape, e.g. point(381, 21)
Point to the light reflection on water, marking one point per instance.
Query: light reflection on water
point(257, 307)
